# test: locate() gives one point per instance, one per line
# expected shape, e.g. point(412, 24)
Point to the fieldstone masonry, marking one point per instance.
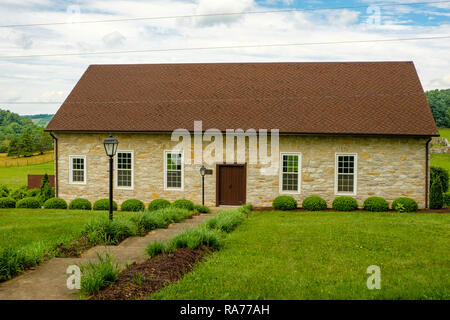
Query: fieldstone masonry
point(389, 167)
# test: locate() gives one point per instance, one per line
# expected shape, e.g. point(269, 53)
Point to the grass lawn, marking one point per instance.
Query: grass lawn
point(445, 133)
point(15, 177)
point(293, 255)
point(440, 160)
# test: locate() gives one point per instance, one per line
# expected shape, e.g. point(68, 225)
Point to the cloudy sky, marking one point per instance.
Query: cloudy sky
point(35, 67)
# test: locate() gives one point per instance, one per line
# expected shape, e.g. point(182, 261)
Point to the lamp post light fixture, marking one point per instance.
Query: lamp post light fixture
point(110, 144)
point(202, 173)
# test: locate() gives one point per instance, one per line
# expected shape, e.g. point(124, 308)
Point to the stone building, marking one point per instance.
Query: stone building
point(359, 128)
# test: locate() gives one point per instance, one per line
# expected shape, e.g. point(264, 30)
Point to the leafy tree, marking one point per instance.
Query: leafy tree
point(13, 148)
point(46, 191)
point(26, 144)
point(439, 101)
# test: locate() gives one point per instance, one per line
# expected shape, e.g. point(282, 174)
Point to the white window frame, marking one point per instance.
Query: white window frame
point(299, 182)
point(116, 171)
point(71, 157)
point(336, 173)
point(165, 170)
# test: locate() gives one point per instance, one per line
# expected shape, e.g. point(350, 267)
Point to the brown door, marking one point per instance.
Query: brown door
point(231, 184)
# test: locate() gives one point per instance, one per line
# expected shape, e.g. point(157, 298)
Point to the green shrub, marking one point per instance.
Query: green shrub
point(80, 204)
point(55, 203)
point(202, 209)
point(15, 260)
point(19, 193)
point(441, 174)
point(446, 199)
point(103, 204)
point(7, 202)
point(102, 231)
point(98, 275)
point(193, 238)
point(158, 204)
point(148, 220)
point(31, 203)
point(344, 203)
point(33, 192)
point(284, 203)
point(132, 205)
point(314, 203)
point(4, 191)
point(436, 195)
point(173, 215)
point(376, 204)
point(245, 209)
point(226, 221)
point(407, 205)
point(183, 204)
point(154, 248)
point(46, 191)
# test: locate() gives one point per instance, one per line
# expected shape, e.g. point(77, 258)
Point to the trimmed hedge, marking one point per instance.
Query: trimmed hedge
point(30, 203)
point(55, 203)
point(183, 204)
point(103, 204)
point(441, 174)
point(7, 202)
point(80, 204)
point(284, 203)
point(202, 209)
point(158, 204)
point(404, 204)
point(344, 203)
point(314, 203)
point(19, 193)
point(132, 205)
point(446, 199)
point(376, 204)
point(436, 195)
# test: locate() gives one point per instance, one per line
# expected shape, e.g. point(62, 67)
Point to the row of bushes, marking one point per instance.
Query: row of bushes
point(346, 203)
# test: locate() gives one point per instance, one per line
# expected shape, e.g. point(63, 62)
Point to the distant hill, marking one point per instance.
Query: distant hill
point(41, 120)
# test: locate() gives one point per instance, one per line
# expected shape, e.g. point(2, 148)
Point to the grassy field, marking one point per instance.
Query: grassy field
point(292, 255)
point(445, 133)
point(6, 161)
point(17, 176)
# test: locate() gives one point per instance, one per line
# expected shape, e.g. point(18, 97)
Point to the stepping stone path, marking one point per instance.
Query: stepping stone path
point(48, 280)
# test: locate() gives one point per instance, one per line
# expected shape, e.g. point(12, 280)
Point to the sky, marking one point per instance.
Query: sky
point(31, 83)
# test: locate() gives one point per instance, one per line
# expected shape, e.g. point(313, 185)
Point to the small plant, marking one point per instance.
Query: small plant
point(33, 192)
point(19, 193)
point(80, 204)
point(376, 204)
point(226, 221)
point(202, 209)
point(158, 204)
point(7, 202)
point(344, 203)
point(106, 232)
point(284, 203)
point(46, 191)
point(55, 203)
point(314, 203)
point(98, 275)
point(15, 260)
point(436, 195)
point(132, 205)
point(183, 204)
point(31, 203)
point(404, 204)
point(155, 248)
point(103, 204)
point(193, 238)
point(138, 279)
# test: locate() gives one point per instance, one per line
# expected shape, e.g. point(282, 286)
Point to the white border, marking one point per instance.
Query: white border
point(116, 180)
point(280, 179)
point(182, 170)
point(355, 174)
point(71, 157)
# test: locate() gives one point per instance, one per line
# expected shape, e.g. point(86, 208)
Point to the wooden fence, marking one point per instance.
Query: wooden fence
point(6, 162)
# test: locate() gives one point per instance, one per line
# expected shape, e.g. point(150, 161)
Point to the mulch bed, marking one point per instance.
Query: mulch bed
point(74, 249)
point(139, 280)
point(443, 210)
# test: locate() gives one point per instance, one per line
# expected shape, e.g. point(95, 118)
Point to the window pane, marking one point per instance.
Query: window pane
point(290, 181)
point(124, 169)
point(346, 165)
point(173, 168)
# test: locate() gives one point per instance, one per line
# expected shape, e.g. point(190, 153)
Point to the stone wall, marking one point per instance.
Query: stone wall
point(386, 167)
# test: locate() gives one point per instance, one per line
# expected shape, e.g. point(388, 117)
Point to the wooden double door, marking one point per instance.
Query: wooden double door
point(231, 184)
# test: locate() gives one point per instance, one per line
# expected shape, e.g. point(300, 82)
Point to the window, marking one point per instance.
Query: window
point(77, 170)
point(290, 173)
point(124, 169)
point(345, 174)
point(173, 170)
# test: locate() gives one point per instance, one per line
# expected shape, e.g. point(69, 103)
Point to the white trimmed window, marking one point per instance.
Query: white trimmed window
point(124, 169)
point(173, 170)
point(290, 172)
point(77, 169)
point(346, 169)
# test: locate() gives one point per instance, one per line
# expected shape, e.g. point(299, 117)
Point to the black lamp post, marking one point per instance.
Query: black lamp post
point(202, 173)
point(110, 144)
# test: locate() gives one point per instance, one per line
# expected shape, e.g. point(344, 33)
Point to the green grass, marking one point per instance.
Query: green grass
point(15, 177)
point(445, 133)
point(325, 255)
point(440, 160)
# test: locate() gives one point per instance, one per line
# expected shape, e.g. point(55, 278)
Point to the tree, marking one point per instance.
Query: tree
point(13, 148)
point(441, 174)
point(436, 197)
point(46, 191)
point(439, 101)
point(26, 144)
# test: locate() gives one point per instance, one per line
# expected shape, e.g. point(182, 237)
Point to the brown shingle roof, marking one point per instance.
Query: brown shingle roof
point(330, 97)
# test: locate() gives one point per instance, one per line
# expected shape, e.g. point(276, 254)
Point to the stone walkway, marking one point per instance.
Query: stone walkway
point(48, 281)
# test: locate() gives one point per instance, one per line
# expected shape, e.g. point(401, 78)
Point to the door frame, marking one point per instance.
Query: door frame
point(218, 165)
